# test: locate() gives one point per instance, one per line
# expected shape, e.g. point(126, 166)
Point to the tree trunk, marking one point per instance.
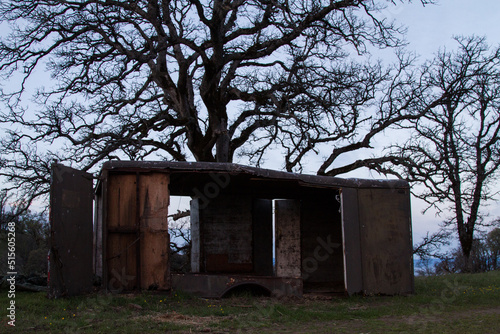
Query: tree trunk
point(223, 143)
point(466, 238)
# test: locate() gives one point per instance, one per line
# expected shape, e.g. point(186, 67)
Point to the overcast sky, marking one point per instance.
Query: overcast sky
point(433, 26)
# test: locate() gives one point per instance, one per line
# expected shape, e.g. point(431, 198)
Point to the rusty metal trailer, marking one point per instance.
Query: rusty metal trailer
point(284, 232)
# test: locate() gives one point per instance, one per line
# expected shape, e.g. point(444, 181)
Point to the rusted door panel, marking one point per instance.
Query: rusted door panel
point(98, 234)
point(71, 239)
point(287, 235)
point(219, 285)
point(353, 270)
point(262, 221)
point(386, 245)
point(195, 235)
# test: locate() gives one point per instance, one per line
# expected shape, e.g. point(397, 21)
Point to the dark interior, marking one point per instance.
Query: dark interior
point(236, 226)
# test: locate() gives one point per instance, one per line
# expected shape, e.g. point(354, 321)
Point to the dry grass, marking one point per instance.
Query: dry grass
point(444, 304)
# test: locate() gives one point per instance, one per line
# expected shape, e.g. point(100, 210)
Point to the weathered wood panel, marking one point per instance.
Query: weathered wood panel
point(71, 240)
point(121, 201)
point(137, 243)
point(122, 262)
point(122, 239)
point(287, 235)
point(386, 245)
point(154, 243)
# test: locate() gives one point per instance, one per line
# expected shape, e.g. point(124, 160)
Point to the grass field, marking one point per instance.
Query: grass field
point(465, 303)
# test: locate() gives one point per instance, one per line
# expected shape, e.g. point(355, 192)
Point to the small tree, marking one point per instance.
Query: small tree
point(180, 242)
point(32, 236)
point(481, 259)
point(431, 245)
point(454, 149)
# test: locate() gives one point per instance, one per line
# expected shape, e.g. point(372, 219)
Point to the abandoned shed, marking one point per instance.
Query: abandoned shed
point(286, 233)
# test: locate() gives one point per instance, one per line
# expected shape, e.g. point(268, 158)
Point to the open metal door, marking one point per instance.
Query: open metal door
point(71, 239)
point(386, 243)
point(377, 241)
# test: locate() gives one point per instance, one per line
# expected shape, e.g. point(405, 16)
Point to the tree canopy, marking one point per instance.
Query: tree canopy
point(196, 80)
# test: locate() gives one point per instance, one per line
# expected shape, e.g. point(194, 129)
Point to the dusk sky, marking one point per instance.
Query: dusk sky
point(432, 27)
point(429, 29)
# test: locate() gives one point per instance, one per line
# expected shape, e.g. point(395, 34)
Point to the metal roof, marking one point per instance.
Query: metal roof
point(236, 169)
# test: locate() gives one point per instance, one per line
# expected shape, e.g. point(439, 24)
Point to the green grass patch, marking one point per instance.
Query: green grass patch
point(442, 304)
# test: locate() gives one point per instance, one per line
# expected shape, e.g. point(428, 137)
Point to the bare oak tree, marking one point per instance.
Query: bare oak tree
point(454, 149)
point(193, 79)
